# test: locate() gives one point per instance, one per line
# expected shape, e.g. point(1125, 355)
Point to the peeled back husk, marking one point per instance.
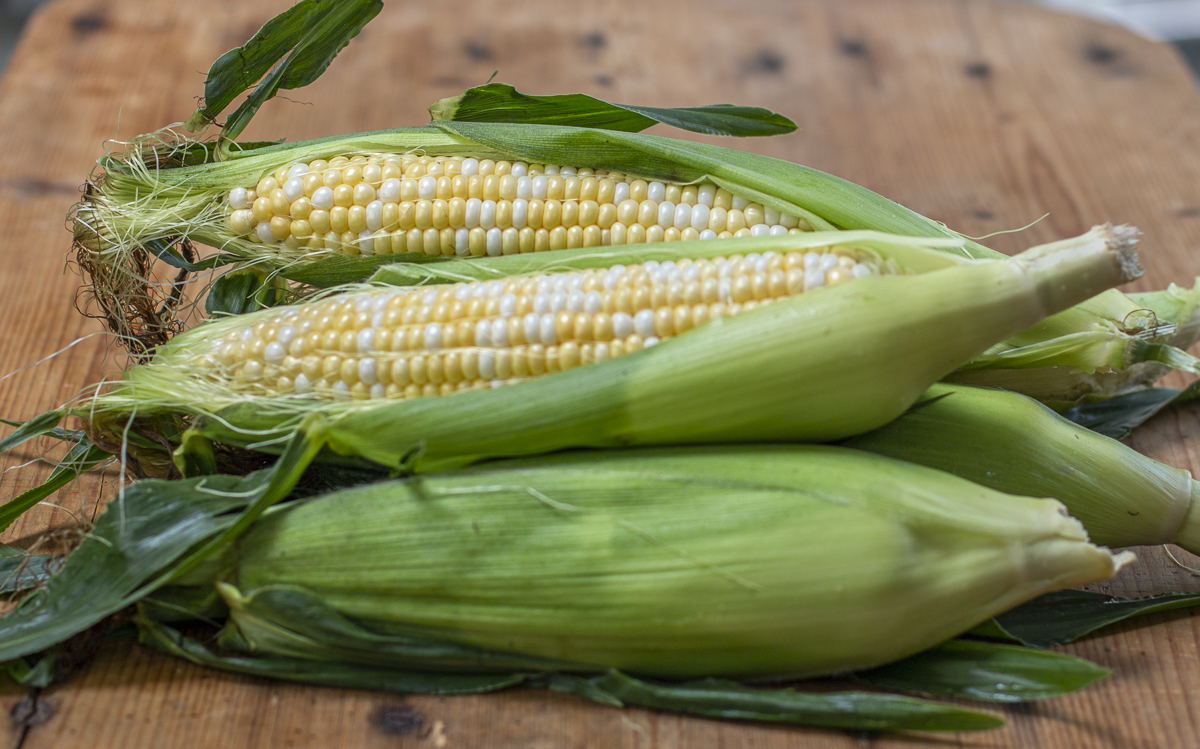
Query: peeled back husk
point(744, 561)
point(823, 365)
point(1016, 445)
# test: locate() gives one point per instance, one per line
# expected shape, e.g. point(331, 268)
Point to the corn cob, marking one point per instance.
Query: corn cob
point(822, 364)
point(1014, 444)
point(746, 561)
point(382, 203)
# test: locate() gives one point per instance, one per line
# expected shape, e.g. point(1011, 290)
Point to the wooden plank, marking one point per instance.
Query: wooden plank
point(985, 116)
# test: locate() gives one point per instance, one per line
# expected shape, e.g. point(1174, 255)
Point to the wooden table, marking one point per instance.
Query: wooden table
point(986, 116)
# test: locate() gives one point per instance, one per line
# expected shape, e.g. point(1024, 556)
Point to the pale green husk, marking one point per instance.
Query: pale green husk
point(764, 562)
point(820, 366)
point(1016, 445)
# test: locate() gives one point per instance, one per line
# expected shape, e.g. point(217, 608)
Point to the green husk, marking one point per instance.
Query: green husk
point(1016, 445)
point(968, 669)
point(820, 366)
point(762, 562)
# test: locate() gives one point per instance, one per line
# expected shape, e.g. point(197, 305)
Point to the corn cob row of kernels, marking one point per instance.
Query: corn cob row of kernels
point(436, 340)
point(381, 204)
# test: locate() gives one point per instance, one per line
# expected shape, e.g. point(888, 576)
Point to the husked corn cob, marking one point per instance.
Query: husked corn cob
point(450, 205)
point(431, 340)
point(819, 365)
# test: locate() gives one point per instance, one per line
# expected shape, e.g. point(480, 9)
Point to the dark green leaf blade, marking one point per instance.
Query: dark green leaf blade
point(25, 571)
point(154, 524)
point(329, 28)
point(500, 102)
point(720, 119)
point(234, 294)
point(327, 673)
point(41, 424)
point(239, 68)
point(153, 531)
point(81, 457)
point(1066, 616)
point(974, 670)
point(858, 711)
point(712, 698)
point(164, 251)
point(242, 291)
point(1116, 417)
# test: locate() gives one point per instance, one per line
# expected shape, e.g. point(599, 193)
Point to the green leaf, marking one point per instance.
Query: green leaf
point(973, 670)
point(58, 433)
point(195, 455)
point(345, 675)
point(711, 698)
point(145, 534)
point(242, 291)
point(233, 294)
point(152, 525)
point(1116, 417)
point(1066, 616)
point(240, 68)
point(81, 457)
point(500, 102)
point(857, 711)
point(38, 425)
point(25, 571)
point(165, 252)
point(314, 30)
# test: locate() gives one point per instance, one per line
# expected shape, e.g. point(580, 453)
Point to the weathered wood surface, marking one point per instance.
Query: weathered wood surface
point(985, 116)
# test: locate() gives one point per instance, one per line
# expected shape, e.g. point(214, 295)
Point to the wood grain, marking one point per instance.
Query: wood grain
point(987, 116)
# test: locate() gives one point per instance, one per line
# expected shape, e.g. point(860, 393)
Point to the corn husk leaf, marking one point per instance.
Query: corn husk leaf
point(315, 631)
point(23, 571)
point(500, 102)
point(346, 675)
point(1118, 416)
point(43, 423)
point(709, 698)
point(312, 31)
point(990, 672)
point(82, 457)
point(151, 533)
point(1067, 615)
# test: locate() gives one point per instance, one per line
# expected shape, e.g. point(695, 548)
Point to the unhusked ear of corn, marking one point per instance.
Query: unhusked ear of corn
point(1014, 444)
point(825, 363)
point(744, 561)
